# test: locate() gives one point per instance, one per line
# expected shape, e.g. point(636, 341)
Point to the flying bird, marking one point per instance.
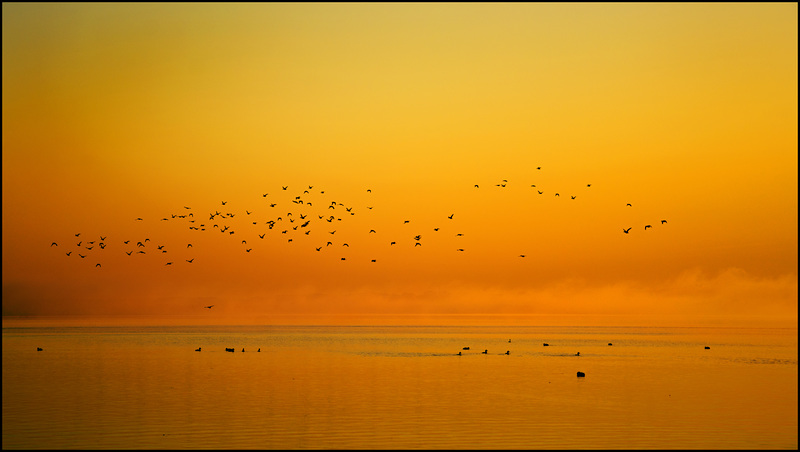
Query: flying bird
point(647, 226)
point(451, 216)
point(190, 260)
point(629, 205)
point(663, 221)
point(54, 244)
point(97, 265)
point(626, 230)
point(209, 307)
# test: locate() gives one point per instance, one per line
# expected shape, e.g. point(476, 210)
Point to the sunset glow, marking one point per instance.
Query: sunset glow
point(687, 112)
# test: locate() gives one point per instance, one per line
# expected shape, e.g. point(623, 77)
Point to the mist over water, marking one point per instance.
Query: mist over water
point(367, 387)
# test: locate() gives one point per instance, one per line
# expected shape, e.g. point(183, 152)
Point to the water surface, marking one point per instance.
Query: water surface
point(399, 387)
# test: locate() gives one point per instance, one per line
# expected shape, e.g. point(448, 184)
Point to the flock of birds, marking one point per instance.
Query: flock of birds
point(293, 226)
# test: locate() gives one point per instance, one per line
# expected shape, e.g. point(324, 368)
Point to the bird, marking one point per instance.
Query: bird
point(97, 265)
point(450, 216)
point(578, 354)
point(392, 243)
point(81, 255)
point(128, 252)
point(406, 221)
point(209, 307)
point(588, 185)
point(371, 231)
point(508, 352)
point(573, 197)
point(663, 221)
point(485, 352)
point(198, 349)
point(224, 202)
point(460, 249)
point(373, 260)
point(69, 253)
point(628, 205)
point(538, 167)
point(521, 255)
point(476, 186)
point(557, 194)
point(647, 226)
point(417, 244)
point(188, 245)
point(284, 187)
point(54, 244)
point(343, 258)
point(190, 260)
point(540, 192)
point(626, 230)
point(102, 238)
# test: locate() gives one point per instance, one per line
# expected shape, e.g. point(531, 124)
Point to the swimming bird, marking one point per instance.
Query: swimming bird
point(259, 350)
point(38, 349)
point(485, 352)
point(508, 352)
point(578, 354)
point(459, 353)
point(198, 349)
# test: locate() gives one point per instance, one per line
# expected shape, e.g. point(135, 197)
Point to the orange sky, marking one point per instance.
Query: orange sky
point(686, 111)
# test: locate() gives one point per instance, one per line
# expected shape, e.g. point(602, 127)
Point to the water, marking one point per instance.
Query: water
point(399, 387)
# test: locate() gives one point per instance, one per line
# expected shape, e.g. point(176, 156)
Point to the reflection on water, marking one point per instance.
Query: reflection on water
point(399, 387)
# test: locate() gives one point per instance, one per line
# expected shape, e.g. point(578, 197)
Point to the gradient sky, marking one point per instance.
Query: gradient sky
point(688, 112)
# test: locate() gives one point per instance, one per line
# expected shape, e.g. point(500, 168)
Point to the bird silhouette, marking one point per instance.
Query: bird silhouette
point(190, 260)
point(540, 192)
point(573, 197)
point(78, 234)
point(451, 216)
point(647, 226)
point(97, 265)
point(69, 253)
point(626, 230)
point(209, 307)
point(628, 205)
point(54, 244)
point(663, 221)
point(557, 194)
point(168, 263)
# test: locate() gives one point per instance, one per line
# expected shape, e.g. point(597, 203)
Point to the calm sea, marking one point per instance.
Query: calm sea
point(399, 387)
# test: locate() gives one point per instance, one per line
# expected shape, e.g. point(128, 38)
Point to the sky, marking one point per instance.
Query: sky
point(434, 125)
